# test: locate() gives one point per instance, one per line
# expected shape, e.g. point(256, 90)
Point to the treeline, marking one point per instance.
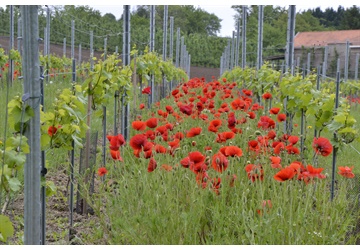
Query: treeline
point(198, 27)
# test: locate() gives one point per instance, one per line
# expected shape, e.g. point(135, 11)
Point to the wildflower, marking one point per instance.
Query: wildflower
point(266, 96)
point(322, 146)
point(116, 141)
point(275, 161)
point(115, 154)
point(346, 171)
point(152, 165)
point(141, 106)
point(201, 179)
point(293, 139)
point(146, 90)
point(102, 171)
point(186, 109)
point(251, 114)
point(52, 131)
point(266, 122)
point(247, 92)
point(254, 145)
point(152, 122)
point(193, 132)
point(233, 151)
point(138, 141)
point(285, 174)
point(138, 125)
point(274, 111)
point(219, 162)
point(254, 172)
point(281, 117)
point(216, 184)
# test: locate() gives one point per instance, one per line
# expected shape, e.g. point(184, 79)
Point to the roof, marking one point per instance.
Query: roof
point(323, 38)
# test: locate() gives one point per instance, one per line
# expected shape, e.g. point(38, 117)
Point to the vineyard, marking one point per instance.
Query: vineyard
point(129, 150)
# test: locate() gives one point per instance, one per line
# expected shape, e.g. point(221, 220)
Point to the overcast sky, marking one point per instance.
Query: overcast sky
point(222, 8)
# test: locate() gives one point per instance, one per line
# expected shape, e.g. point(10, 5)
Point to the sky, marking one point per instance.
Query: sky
point(225, 12)
point(221, 9)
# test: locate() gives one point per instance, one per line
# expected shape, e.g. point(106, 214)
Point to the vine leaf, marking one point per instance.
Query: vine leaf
point(6, 228)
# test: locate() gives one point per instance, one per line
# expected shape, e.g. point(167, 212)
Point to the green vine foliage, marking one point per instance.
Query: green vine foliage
point(302, 97)
point(3, 57)
point(151, 64)
point(107, 78)
point(68, 119)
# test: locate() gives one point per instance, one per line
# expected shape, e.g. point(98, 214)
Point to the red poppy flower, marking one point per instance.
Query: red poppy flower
point(274, 111)
point(138, 141)
point(216, 123)
point(254, 172)
point(219, 162)
point(169, 109)
point(275, 161)
point(146, 90)
point(292, 150)
point(193, 132)
point(293, 139)
point(161, 130)
point(139, 125)
point(196, 157)
point(346, 171)
point(102, 171)
point(202, 178)
point(186, 109)
point(233, 151)
point(160, 149)
point(254, 145)
point(150, 135)
point(238, 104)
point(251, 115)
point(285, 174)
point(266, 122)
point(152, 165)
point(281, 117)
point(175, 92)
point(185, 162)
point(142, 106)
point(322, 146)
point(266, 96)
point(279, 147)
point(116, 141)
point(152, 122)
point(271, 134)
point(247, 92)
point(52, 131)
point(309, 173)
point(115, 154)
point(179, 135)
point(212, 128)
point(216, 184)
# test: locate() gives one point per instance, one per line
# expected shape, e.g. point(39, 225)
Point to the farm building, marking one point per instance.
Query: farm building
point(329, 46)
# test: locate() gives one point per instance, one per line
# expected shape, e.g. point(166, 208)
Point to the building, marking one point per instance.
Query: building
point(325, 47)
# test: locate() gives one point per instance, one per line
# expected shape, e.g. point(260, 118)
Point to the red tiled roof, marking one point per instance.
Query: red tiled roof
point(323, 38)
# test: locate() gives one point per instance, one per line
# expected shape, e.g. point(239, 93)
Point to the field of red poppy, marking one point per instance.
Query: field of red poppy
point(212, 164)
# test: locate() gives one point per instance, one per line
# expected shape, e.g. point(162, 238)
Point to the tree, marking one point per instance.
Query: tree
point(351, 19)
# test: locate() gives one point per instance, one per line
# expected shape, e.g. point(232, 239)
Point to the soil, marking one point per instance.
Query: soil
point(57, 216)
